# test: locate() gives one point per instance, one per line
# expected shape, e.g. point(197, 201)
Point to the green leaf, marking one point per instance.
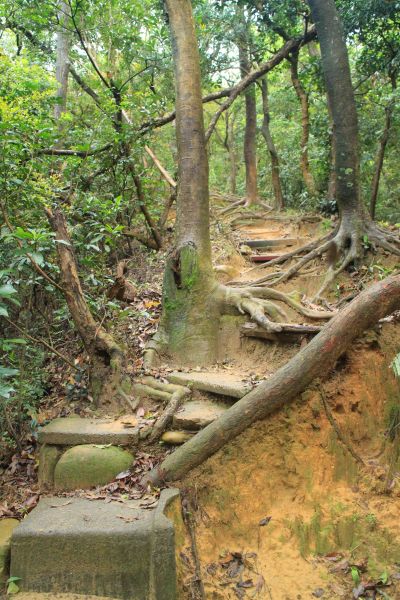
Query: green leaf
point(5, 391)
point(6, 372)
point(62, 242)
point(3, 311)
point(38, 258)
point(12, 587)
point(16, 341)
point(22, 234)
point(7, 290)
point(355, 575)
point(384, 577)
point(396, 365)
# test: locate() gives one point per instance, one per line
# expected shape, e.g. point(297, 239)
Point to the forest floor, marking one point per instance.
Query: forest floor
point(305, 504)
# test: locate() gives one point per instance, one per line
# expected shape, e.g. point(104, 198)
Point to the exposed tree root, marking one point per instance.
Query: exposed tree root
point(172, 394)
point(282, 259)
point(319, 356)
point(172, 406)
point(343, 247)
point(245, 203)
point(256, 302)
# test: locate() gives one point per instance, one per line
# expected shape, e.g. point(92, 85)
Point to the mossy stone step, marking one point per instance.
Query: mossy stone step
point(113, 549)
point(225, 384)
point(85, 466)
point(197, 414)
point(73, 431)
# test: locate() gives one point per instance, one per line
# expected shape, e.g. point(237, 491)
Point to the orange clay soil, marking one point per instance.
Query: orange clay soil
point(286, 512)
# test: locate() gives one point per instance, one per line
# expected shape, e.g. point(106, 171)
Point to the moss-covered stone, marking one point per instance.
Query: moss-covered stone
point(48, 458)
point(89, 465)
point(7, 526)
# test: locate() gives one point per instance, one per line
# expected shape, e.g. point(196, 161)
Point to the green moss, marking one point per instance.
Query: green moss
point(345, 465)
point(352, 533)
point(88, 465)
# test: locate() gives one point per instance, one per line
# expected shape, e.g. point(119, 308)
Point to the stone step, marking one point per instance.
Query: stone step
point(196, 414)
point(260, 258)
point(73, 431)
point(271, 243)
point(118, 550)
point(224, 384)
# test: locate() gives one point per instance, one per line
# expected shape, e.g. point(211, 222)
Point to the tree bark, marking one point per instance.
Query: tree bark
point(188, 279)
point(266, 132)
point(250, 132)
point(105, 355)
point(305, 124)
point(331, 191)
point(318, 357)
point(62, 60)
point(381, 151)
point(232, 152)
point(335, 64)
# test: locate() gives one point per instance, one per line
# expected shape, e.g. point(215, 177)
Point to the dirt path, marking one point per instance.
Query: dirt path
point(284, 511)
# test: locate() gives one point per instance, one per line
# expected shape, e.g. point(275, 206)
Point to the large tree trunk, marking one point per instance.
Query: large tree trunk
point(266, 132)
point(193, 301)
point(381, 151)
point(305, 124)
point(355, 223)
point(316, 359)
point(188, 280)
point(335, 64)
point(250, 132)
point(105, 355)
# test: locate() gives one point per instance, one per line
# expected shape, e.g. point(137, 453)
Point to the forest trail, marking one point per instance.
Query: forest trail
point(304, 504)
point(284, 512)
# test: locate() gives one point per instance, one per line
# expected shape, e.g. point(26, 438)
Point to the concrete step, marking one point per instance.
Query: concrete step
point(224, 384)
point(196, 414)
point(74, 431)
point(117, 550)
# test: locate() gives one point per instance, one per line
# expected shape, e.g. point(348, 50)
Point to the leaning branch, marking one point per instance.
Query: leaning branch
point(291, 46)
point(319, 356)
point(77, 153)
point(232, 93)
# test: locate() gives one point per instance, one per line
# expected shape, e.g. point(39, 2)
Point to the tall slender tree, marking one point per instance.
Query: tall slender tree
point(355, 228)
point(250, 130)
point(193, 301)
point(266, 132)
point(305, 123)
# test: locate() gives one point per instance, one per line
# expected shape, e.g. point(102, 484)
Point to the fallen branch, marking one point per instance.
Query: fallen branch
point(319, 356)
point(165, 418)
